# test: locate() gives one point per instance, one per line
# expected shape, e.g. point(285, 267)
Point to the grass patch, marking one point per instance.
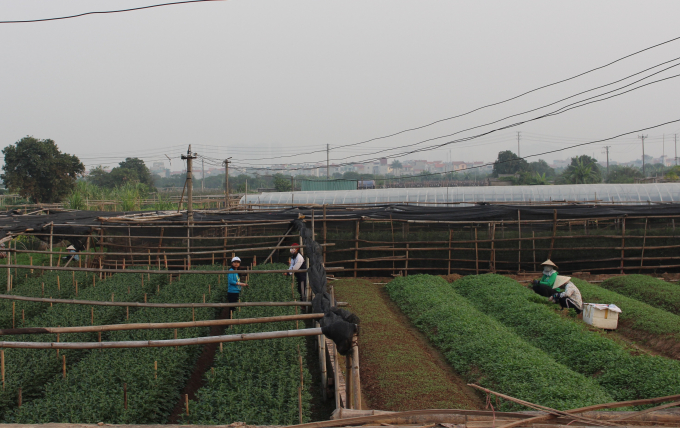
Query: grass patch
point(653, 291)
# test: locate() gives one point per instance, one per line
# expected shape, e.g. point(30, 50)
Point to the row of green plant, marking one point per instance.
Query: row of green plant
point(653, 291)
point(93, 390)
point(568, 341)
point(58, 285)
point(636, 316)
point(486, 352)
point(30, 369)
point(257, 381)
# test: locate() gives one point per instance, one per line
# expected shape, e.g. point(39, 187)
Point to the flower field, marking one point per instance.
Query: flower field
point(257, 381)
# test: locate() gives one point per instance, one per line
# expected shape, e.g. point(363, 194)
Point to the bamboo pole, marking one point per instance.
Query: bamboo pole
point(476, 254)
point(325, 231)
point(623, 241)
point(321, 344)
point(552, 241)
point(356, 247)
point(9, 270)
point(533, 247)
point(137, 271)
point(644, 239)
point(493, 248)
point(348, 381)
point(450, 233)
point(356, 379)
point(154, 305)
point(519, 235)
point(125, 396)
point(51, 239)
point(2, 367)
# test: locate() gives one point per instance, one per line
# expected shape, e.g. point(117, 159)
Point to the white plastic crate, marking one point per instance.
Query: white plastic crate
point(601, 316)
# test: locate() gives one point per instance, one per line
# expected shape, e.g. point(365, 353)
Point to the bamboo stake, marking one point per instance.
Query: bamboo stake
point(406, 262)
point(493, 248)
point(186, 400)
point(325, 230)
point(476, 254)
point(2, 363)
point(58, 284)
point(533, 247)
point(356, 247)
point(92, 315)
point(644, 239)
point(19, 403)
point(51, 236)
point(519, 235)
point(356, 379)
point(125, 397)
point(63, 365)
point(552, 241)
point(300, 403)
point(155, 369)
point(13, 305)
point(450, 233)
point(623, 241)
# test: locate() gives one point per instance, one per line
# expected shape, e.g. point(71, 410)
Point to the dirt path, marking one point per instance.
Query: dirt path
point(400, 370)
point(204, 362)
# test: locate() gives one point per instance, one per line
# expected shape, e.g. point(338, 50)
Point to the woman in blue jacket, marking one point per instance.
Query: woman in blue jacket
point(235, 284)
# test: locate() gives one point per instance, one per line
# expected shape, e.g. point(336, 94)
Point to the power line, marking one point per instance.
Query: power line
point(513, 115)
point(499, 102)
point(561, 110)
point(108, 11)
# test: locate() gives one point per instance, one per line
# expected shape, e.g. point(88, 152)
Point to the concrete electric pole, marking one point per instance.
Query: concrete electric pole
point(226, 183)
point(642, 137)
point(190, 186)
point(606, 148)
point(519, 134)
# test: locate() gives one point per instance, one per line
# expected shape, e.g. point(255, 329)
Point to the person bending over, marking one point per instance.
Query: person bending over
point(544, 286)
point(570, 297)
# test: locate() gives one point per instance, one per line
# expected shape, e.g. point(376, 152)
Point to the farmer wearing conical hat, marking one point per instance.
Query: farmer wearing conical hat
point(570, 297)
point(544, 286)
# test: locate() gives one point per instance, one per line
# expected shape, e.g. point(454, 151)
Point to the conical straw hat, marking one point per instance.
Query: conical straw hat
point(561, 280)
point(548, 263)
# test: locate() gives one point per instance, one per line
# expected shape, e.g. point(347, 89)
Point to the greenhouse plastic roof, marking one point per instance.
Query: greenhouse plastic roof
point(616, 193)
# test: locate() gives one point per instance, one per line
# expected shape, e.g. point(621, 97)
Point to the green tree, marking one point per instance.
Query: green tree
point(37, 169)
point(129, 171)
point(396, 165)
point(508, 163)
point(541, 167)
point(281, 183)
point(623, 174)
point(582, 170)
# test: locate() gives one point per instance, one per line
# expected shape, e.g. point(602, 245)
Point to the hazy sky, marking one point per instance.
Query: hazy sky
point(265, 79)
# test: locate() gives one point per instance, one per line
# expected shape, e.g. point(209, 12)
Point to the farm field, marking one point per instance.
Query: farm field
point(92, 389)
point(400, 370)
point(653, 291)
point(257, 381)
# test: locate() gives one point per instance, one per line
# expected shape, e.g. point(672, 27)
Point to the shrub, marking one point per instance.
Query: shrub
point(488, 353)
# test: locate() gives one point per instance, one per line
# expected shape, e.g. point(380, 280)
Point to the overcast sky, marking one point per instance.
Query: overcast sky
point(259, 80)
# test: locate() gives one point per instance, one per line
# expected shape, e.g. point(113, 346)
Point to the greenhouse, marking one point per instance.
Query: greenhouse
point(601, 193)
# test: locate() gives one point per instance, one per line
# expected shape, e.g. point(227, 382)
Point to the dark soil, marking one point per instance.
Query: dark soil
point(400, 369)
point(203, 364)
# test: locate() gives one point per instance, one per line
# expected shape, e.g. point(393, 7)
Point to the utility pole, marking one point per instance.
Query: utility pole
point(327, 162)
point(226, 183)
point(607, 150)
point(676, 149)
point(189, 158)
point(202, 174)
point(519, 134)
point(642, 137)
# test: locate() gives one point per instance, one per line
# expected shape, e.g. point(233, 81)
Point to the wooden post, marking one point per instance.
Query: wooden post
point(13, 303)
point(63, 365)
point(356, 248)
point(406, 263)
point(186, 401)
point(644, 239)
point(348, 381)
point(325, 231)
point(493, 248)
point(51, 238)
point(393, 253)
point(450, 233)
point(9, 270)
point(321, 344)
point(101, 251)
point(623, 241)
point(226, 232)
point(552, 241)
point(356, 379)
point(300, 403)
point(533, 247)
point(2, 368)
point(92, 315)
point(155, 369)
point(476, 253)
point(519, 235)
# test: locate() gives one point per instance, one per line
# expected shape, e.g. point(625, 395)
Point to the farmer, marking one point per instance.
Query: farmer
point(297, 261)
point(235, 284)
point(544, 286)
point(570, 297)
point(72, 254)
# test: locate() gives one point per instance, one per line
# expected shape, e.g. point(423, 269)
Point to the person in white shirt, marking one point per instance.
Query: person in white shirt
point(297, 261)
point(570, 297)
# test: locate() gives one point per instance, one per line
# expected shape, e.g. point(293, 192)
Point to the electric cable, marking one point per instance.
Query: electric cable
point(105, 12)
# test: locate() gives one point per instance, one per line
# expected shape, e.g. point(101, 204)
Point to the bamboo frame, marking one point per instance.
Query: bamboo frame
point(163, 343)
